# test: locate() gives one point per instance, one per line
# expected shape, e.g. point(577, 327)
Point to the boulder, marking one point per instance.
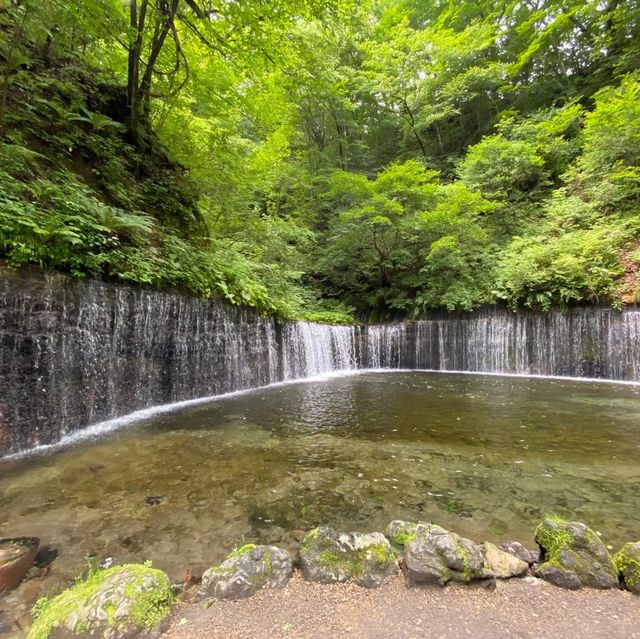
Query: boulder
point(435, 555)
point(245, 571)
point(119, 603)
point(365, 558)
point(400, 532)
point(627, 563)
point(518, 550)
point(573, 556)
point(501, 564)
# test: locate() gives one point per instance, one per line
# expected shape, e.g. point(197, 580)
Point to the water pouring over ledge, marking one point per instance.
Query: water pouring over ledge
point(73, 353)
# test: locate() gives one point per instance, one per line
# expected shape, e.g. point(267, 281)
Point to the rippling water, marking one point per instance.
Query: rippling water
point(485, 456)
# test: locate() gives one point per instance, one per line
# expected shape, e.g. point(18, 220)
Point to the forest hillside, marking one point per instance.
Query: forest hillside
point(317, 159)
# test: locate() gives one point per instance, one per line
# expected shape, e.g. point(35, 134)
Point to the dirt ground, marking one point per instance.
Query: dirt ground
point(516, 608)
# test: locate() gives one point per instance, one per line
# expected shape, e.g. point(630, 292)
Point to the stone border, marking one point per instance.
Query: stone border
point(571, 555)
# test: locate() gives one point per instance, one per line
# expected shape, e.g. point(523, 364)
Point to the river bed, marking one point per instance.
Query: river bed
point(486, 456)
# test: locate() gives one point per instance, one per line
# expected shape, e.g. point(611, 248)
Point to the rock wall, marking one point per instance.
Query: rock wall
point(75, 352)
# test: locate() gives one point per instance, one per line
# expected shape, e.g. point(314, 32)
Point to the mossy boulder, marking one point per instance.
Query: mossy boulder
point(400, 532)
point(119, 603)
point(572, 556)
point(502, 564)
point(245, 571)
point(435, 555)
point(627, 563)
point(328, 556)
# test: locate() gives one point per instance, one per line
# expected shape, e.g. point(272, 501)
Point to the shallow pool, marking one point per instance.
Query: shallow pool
point(485, 456)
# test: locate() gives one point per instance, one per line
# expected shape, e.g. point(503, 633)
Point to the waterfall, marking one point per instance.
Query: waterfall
point(583, 342)
point(313, 349)
point(75, 352)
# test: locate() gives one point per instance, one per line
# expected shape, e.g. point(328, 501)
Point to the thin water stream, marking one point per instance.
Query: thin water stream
point(486, 456)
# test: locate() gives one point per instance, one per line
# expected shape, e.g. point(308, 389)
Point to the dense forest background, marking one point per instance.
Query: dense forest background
point(313, 159)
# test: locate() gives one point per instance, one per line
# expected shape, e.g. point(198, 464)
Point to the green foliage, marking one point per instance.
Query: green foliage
point(574, 266)
point(580, 251)
point(404, 242)
point(502, 169)
point(608, 172)
point(314, 159)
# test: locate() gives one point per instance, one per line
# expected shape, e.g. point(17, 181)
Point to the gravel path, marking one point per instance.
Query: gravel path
point(516, 608)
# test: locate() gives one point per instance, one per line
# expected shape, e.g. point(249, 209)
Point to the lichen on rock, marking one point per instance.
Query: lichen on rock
point(245, 571)
point(122, 602)
point(438, 556)
point(328, 556)
point(573, 556)
point(627, 563)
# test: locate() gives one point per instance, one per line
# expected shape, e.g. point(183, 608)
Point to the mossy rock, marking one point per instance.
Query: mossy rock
point(119, 603)
point(573, 556)
point(329, 556)
point(436, 556)
point(400, 532)
point(245, 571)
point(627, 563)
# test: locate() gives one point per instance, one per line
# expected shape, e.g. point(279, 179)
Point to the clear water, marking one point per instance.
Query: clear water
point(485, 456)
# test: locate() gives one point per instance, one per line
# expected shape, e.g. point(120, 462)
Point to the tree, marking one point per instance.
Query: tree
point(228, 29)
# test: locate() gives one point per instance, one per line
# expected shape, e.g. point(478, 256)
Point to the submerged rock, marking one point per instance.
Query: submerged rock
point(501, 564)
point(627, 563)
point(518, 550)
point(435, 555)
point(119, 603)
point(245, 571)
point(365, 558)
point(16, 557)
point(573, 556)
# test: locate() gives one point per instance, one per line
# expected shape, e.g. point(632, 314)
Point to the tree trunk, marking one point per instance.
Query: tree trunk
point(136, 24)
point(139, 90)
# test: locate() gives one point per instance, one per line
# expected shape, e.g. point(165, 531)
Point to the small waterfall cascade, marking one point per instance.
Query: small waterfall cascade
point(313, 349)
point(582, 342)
point(76, 352)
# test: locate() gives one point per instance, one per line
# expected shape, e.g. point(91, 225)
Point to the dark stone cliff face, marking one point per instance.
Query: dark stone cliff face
point(77, 352)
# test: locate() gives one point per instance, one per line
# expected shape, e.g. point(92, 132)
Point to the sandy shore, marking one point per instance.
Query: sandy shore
point(516, 608)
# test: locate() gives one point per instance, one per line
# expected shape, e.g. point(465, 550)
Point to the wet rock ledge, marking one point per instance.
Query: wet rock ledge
point(133, 600)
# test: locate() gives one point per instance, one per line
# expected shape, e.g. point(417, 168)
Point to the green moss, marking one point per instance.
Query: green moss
point(552, 536)
point(266, 560)
point(110, 609)
point(149, 608)
point(382, 554)
point(405, 535)
point(466, 572)
point(335, 560)
point(40, 607)
point(243, 550)
point(312, 535)
point(627, 567)
point(354, 563)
